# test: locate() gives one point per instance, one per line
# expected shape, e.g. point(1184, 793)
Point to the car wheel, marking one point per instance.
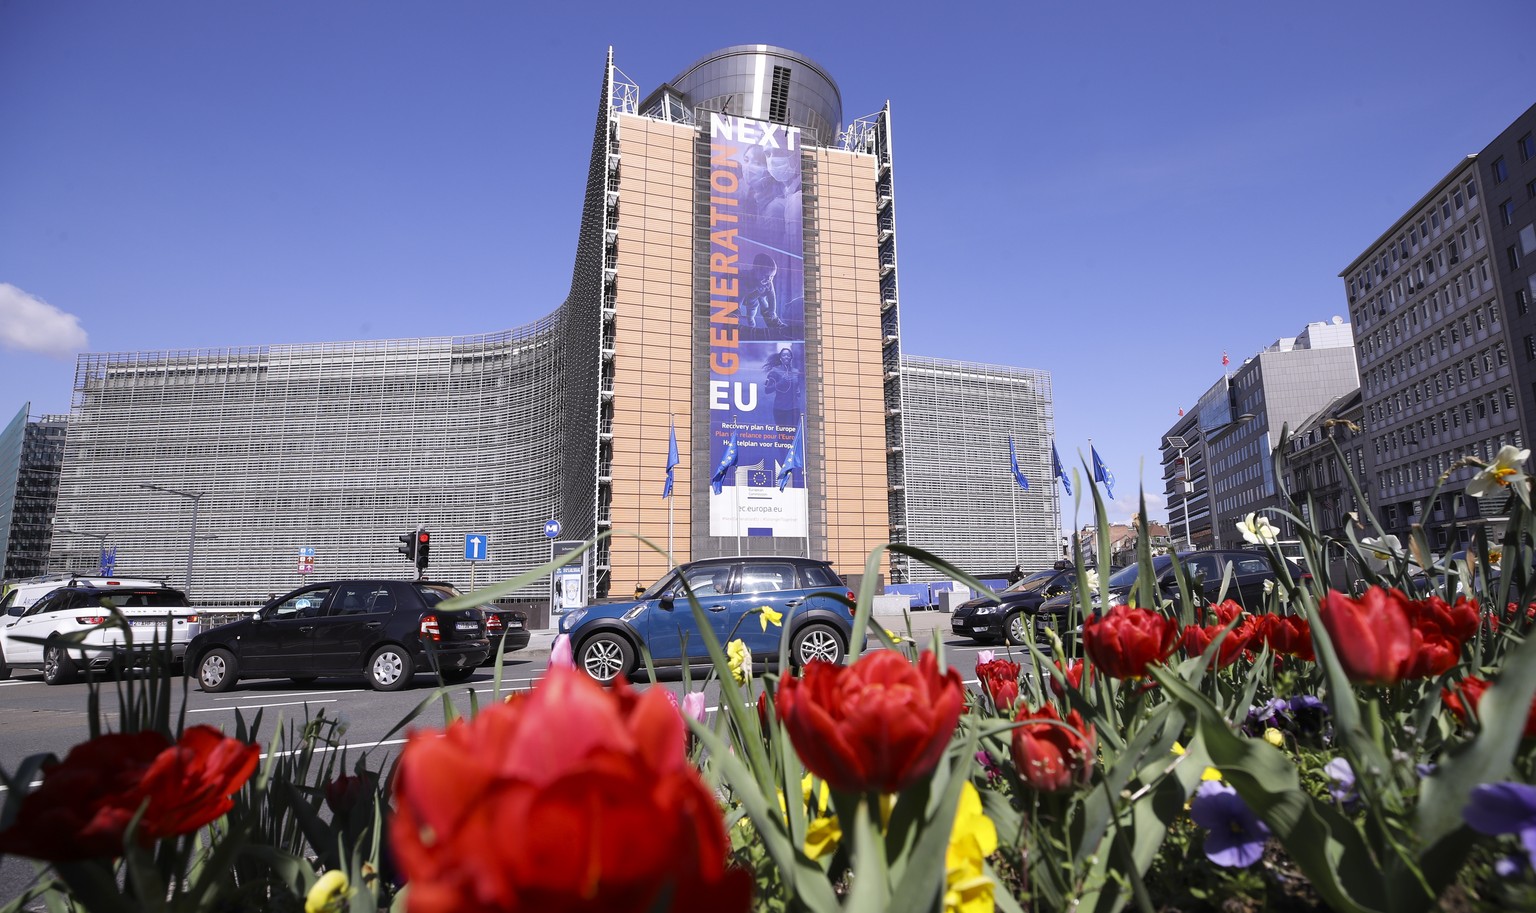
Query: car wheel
point(456, 676)
point(1018, 629)
point(605, 656)
point(303, 679)
point(58, 668)
point(217, 671)
point(390, 668)
point(816, 642)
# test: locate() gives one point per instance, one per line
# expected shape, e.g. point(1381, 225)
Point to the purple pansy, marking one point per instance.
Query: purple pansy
point(1341, 777)
point(1505, 808)
point(1235, 835)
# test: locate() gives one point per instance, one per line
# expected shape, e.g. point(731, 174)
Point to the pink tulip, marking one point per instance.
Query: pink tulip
point(693, 705)
point(560, 653)
point(985, 656)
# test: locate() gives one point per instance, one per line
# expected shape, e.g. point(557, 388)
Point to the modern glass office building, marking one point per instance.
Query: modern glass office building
point(735, 286)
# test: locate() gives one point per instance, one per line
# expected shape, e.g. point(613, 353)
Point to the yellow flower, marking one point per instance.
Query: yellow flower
point(766, 616)
point(1274, 737)
point(741, 661)
point(822, 837)
point(967, 889)
point(825, 796)
point(895, 638)
point(330, 893)
point(1210, 773)
point(1504, 470)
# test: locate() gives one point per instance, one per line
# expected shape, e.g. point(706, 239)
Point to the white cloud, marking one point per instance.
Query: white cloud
point(30, 324)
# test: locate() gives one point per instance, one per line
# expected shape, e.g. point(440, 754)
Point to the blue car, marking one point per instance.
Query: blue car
point(606, 639)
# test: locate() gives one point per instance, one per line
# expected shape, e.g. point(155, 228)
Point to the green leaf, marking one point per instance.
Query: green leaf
point(1322, 841)
point(1502, 713)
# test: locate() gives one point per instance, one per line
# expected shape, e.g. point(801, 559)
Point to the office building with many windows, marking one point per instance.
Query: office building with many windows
point(1439, 302)
point(735, 287)
point(31, 454)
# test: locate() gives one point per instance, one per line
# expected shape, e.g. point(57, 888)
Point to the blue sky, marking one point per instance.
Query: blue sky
point(1116, 193)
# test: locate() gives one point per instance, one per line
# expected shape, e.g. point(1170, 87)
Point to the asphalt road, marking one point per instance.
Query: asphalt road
point(35, 718)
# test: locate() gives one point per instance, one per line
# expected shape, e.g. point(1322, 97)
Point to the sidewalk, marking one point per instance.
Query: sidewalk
point(922, 621)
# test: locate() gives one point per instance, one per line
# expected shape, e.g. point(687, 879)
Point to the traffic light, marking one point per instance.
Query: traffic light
point(423, 548)
point(408, 546)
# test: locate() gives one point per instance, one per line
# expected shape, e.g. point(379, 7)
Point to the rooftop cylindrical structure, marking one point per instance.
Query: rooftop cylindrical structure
point(768, 83)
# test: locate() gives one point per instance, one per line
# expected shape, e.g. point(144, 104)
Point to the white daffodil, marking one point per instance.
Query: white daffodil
point(1505, 470)
point(1380, 551)
point(1257, 530)
point(1093, 580)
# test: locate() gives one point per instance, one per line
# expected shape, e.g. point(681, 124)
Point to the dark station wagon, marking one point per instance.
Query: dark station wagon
point(384, 630)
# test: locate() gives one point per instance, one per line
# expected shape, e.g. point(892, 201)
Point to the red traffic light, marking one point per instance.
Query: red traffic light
point(423, 538)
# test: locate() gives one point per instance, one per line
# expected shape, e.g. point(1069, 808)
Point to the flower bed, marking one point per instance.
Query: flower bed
point(1322, 750)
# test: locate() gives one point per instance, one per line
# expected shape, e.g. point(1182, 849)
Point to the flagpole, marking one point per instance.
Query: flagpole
point(1014, 489)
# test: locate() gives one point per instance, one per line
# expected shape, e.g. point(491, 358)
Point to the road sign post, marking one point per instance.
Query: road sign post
point(477, 548)
point(551, 532)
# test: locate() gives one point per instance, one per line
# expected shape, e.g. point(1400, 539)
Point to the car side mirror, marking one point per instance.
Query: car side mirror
point(15, 611)
point(665, 602)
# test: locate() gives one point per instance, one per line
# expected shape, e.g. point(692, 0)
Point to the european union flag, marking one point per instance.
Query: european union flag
point(726, 463)
point(796, 460)
point(1101, 472)
point(1018, 474)
point(1060, 473)
point(666, 490)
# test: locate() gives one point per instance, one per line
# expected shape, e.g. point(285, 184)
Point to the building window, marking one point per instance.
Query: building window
point(1522, 302)
point(1530, 189)
point(1527, 147)
point(1500, 171)
point(1471, 190)
point(1514, 257)
point(1507, 212)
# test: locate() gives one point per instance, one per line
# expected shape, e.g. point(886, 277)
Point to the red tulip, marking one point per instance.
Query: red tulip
point(343, 793)
point(1073, 673)
point(1124, 642)
point(1289, 635)
point(1000, 679)
point(1371, 635)
point(1051, 757)
point(879, 725)
point(1237, 642)
point(86, 802)
point(535, 804)
point(1468, 693)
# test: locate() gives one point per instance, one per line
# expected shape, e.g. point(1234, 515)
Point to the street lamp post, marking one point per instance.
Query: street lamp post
point(196, 497)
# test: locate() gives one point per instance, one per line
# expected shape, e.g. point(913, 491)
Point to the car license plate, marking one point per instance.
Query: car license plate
point(514, 625)
point(145, 623)
point(466, 626)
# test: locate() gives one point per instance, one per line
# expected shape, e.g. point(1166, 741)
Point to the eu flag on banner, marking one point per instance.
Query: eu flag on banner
point(1018, 474)
point(1060, 473)
point(666, 490)
point(1101, 472)
point(796, 460)
point(726, 463)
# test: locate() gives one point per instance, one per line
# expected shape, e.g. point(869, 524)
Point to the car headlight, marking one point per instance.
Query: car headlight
point(987, 609)
point(571, 620)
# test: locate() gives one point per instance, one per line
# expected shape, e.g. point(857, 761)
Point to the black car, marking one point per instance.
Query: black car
point(606, 637)
point(1011, 618)
point(1250, 572)
point(385, 630)
point(502, 625)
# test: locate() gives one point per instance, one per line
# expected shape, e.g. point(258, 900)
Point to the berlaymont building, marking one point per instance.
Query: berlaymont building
point(736, 283)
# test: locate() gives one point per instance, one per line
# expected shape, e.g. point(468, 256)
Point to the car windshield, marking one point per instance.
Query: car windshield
point(1036, 581)
point(1126, 576)
point(436, 593)
point(659, 586)
point(140, 599)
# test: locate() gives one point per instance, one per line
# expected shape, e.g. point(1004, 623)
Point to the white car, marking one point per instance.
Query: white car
point(155, 615)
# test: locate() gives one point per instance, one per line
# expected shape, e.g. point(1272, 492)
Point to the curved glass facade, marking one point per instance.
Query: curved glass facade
point(768, 83)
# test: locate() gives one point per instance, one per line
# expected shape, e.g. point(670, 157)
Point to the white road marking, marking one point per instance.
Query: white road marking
point(322, 749)
point(7, 684)
point(254, 706)
point(247, 697)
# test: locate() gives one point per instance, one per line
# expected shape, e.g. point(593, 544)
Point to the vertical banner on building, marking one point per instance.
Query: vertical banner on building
point(756, 324)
